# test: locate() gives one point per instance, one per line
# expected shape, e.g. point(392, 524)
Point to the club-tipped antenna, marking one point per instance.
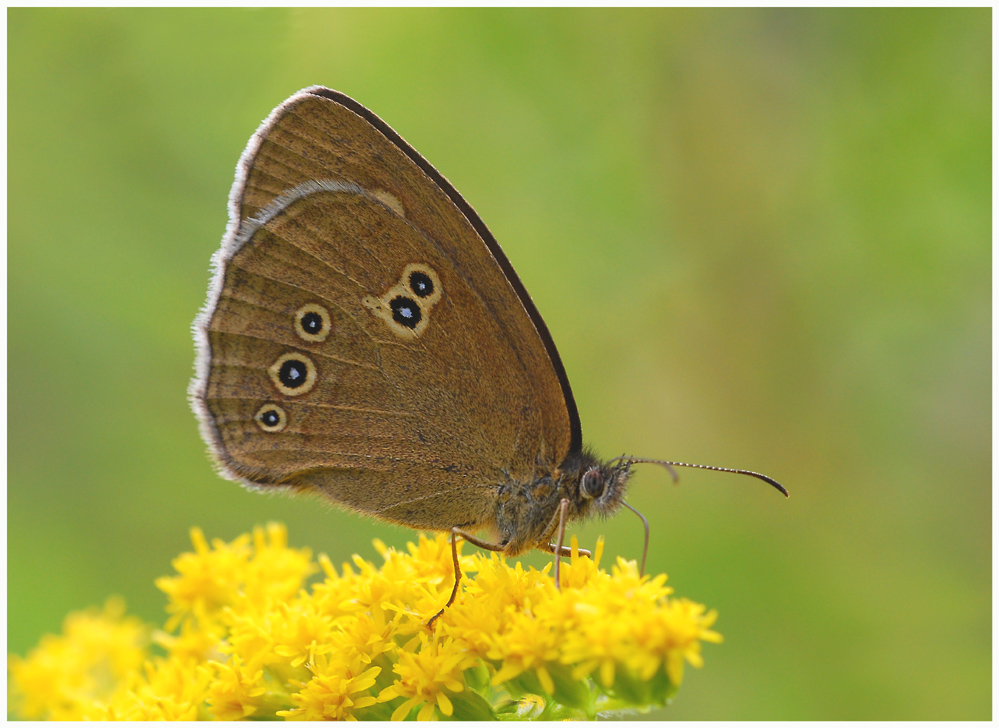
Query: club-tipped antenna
point(645, 522)
point(669, 465)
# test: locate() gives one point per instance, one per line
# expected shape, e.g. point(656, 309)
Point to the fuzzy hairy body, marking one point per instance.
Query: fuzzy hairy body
point(527, 513)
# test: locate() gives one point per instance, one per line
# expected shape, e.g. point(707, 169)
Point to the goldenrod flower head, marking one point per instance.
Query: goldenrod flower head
point(66, 676)
point(249, 636)
point(427, 673)
point(335, 692)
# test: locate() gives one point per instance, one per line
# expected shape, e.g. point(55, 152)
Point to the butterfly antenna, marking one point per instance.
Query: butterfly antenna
point(645, 550)
point(625, 462)
point(669, 464)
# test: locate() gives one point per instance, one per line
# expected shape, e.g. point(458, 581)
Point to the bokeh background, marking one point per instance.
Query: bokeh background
point(760, 239)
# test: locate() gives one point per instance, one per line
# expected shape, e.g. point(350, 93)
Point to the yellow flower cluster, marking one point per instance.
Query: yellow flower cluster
point(251, 636)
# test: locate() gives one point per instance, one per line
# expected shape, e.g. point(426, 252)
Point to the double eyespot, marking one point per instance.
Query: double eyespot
point(406, 306)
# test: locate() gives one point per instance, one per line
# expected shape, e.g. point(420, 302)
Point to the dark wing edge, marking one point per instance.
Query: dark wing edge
point(576, 435)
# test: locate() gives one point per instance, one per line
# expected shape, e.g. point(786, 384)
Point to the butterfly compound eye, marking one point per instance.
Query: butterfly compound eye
point(592, 483)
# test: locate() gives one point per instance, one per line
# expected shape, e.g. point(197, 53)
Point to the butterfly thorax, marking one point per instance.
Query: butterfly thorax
point(527, 512)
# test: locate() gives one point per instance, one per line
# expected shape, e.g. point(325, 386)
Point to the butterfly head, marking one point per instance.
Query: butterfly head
point(603, 485)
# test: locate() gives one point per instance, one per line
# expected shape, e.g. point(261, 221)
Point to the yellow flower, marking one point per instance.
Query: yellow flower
point(196, 643)
point(67, 677)
point(332, 692)
point(260, 568)
point(275, 572)
point(247, 637)
point(527, 643)
point(166, 689)
point(237, 691)
point(426, 676)
point(207, 580)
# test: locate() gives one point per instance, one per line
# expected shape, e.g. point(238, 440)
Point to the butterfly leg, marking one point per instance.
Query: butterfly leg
point(549, 548)
point(563, 511)
point(475, 541)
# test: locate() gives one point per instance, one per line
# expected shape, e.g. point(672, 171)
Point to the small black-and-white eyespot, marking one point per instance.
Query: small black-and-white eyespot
point(271, 418)
point(313, 322)
point(421, 284)
point(293, 374)
point(406, 311)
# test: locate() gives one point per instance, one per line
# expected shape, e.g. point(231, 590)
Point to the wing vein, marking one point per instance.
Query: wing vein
point(310, 352)
point(436, 494)
point(320, 405)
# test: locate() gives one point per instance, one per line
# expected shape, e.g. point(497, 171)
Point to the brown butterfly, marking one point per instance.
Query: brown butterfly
point(366, 338)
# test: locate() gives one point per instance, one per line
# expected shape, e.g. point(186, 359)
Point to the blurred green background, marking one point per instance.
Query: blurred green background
point(760, 239)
